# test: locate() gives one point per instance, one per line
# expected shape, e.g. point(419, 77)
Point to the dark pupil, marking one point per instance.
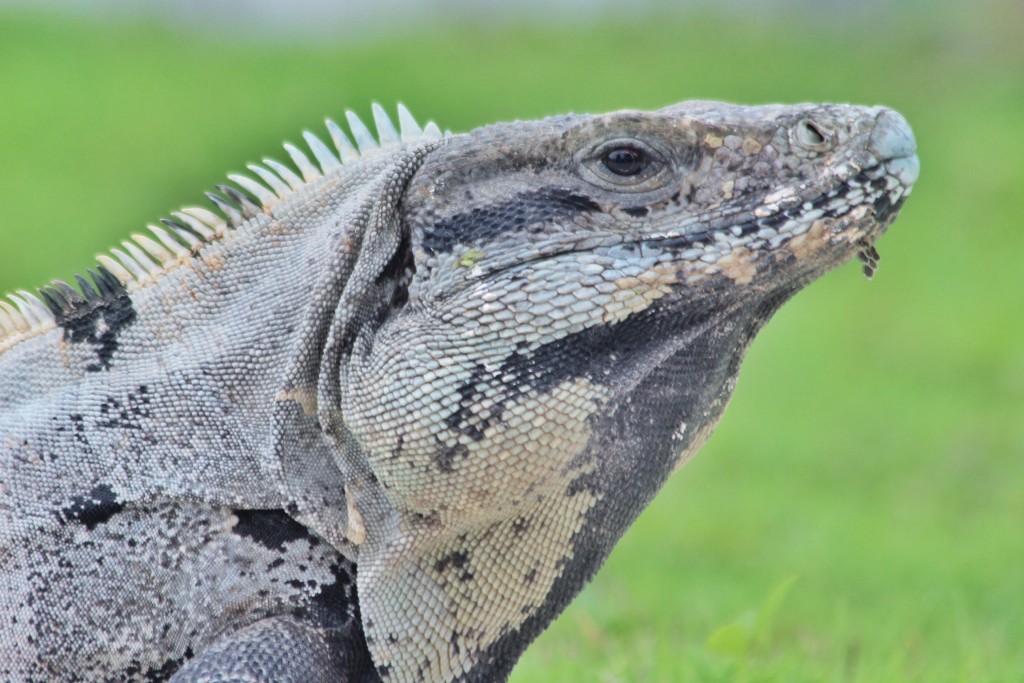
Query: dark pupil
point(624, 161)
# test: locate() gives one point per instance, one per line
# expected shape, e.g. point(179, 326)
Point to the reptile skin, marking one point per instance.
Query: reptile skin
point(383, 414)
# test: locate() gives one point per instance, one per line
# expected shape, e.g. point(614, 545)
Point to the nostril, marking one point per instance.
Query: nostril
point(813, 132)
point(811, 135)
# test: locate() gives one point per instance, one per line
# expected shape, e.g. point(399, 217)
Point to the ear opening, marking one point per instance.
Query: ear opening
point(400, 270)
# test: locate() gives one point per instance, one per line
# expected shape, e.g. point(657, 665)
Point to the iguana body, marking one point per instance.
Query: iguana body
point(388, 418)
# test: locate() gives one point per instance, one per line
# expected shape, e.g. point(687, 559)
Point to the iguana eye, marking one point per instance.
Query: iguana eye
point(625, 161)
point(626, 164)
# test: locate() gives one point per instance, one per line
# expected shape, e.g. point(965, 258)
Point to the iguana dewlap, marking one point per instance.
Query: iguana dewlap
point(385, 412)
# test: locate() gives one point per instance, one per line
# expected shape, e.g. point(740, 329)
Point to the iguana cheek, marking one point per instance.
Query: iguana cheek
point(634, 294)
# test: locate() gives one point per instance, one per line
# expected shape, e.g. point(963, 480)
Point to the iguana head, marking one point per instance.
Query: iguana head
point(576, 296)
point(720, 179)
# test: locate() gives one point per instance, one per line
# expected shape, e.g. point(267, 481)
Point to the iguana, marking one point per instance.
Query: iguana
point(383, 414)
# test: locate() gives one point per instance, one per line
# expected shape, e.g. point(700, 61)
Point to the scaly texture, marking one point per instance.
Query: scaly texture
point(385, 415)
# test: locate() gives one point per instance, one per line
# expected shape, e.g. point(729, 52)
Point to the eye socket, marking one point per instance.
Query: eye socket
point(626, 164)
point(625, 160)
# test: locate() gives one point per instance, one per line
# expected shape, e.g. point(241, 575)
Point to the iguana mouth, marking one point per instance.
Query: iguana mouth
point(877, 187)
point(878, 190)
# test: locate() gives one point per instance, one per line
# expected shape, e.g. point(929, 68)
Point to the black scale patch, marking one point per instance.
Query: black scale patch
point(595, 352)
point(160, 673)
point(96, 315)
point(644, 425)
point(271, 528)
point(885, 208)
point(92, 509)
point(521, 212)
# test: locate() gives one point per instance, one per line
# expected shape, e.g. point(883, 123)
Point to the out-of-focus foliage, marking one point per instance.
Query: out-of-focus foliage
point(875, 446)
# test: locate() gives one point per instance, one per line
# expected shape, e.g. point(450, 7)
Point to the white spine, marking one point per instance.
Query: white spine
point(344, 146)
point(266, 198)
point(389, 137)
point(323, 154)
point(116, 269)
point(173, 245)
point(287, 174)
point(410, 130)
point(306, 167)
point(361, 134)
point(279, 187)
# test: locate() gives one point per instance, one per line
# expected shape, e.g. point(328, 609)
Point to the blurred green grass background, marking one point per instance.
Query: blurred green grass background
point(874, 446)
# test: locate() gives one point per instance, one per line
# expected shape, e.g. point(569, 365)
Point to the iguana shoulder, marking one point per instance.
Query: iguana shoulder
point(150, 442)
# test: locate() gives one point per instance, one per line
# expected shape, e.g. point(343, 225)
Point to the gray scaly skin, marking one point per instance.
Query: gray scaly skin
point(387, 419)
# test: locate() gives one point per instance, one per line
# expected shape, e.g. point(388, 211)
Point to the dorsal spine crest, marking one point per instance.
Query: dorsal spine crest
point(142, 260)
